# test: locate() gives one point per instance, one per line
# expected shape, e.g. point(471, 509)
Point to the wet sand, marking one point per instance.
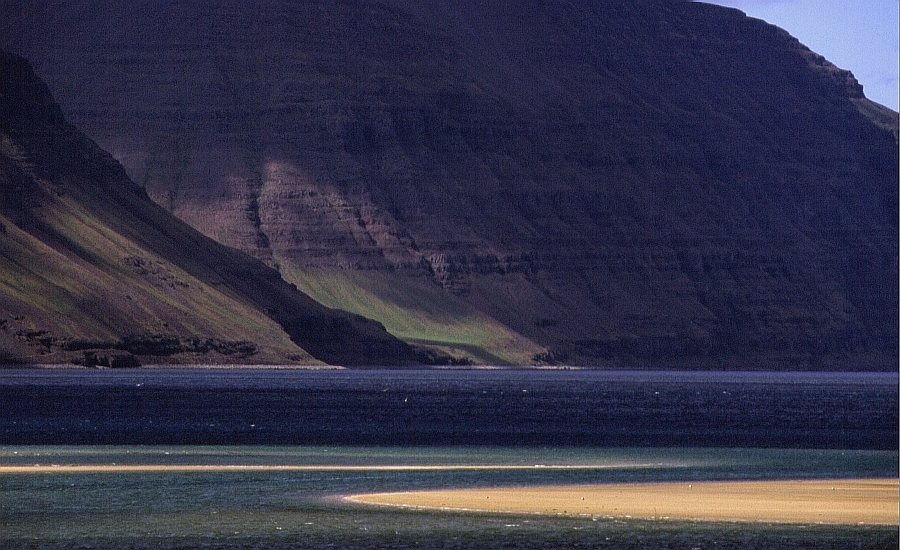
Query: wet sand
point(844, 501)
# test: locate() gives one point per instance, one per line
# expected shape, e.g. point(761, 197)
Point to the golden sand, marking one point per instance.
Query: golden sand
point(151, 468)
point(844, 501)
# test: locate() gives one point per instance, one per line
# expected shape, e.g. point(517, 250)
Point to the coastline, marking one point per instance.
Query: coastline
point(259, 366)
point(765, 375)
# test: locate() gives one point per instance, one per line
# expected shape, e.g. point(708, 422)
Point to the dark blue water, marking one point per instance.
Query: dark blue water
point(807, 421)
point(428, 407)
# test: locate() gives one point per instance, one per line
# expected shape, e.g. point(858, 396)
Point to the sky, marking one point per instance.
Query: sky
point(859, 35)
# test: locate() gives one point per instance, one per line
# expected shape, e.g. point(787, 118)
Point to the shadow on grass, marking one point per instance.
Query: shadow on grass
point(477, 353)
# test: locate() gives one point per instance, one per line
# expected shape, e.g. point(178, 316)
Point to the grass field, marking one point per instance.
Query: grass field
point(418, 311)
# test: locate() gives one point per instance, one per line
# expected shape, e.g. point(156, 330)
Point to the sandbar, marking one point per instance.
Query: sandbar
point(175, 468)
point(837, 501)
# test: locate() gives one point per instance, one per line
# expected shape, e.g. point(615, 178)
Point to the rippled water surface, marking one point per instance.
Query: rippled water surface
point(625, 426)
point(427, 407)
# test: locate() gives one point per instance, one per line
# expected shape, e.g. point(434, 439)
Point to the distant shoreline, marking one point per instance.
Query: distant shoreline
point(163, 366)
point(436, 368)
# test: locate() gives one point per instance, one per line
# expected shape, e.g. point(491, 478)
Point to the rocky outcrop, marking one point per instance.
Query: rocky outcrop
point(114, 361)
point(645, 182)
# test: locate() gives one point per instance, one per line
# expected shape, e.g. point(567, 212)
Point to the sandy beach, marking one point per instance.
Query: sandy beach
point(844, 501)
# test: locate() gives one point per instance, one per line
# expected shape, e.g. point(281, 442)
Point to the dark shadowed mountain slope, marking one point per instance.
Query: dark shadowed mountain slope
point(639, 182)
point(89, 264)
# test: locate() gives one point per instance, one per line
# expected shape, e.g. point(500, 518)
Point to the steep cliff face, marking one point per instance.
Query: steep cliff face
point(92, 270)
point(641, 182)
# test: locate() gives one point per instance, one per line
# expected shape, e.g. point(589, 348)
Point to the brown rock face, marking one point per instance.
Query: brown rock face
point(638, 182)
point(91, 270)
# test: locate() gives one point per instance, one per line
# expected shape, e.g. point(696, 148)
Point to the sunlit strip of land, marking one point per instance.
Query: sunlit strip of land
point(141, 468)
point(843, 501)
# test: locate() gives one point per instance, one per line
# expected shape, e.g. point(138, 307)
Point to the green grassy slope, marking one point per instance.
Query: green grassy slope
point(101, 287)
point(418, 311)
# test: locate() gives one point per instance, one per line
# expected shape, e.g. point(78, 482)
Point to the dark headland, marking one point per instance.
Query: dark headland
point(639, 183)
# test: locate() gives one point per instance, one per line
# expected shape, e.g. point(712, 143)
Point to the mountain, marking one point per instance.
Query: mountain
point(606, 182)
point(92, 270)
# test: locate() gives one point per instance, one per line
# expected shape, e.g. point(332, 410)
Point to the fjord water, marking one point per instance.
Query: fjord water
point(635, 426)
point(435, 407)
